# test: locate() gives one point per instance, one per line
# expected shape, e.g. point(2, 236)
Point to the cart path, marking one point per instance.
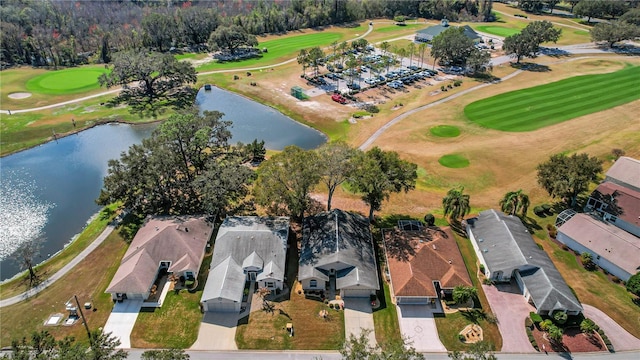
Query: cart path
point(115, 90)
point(62, 272)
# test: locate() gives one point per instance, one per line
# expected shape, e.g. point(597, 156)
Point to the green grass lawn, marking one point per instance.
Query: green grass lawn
point(497, 30)
point(385, 320)
point(279, 50)
point(67, 81)
point(445, 131)
point(454, 161)
point(544, 105)
point(394, 27)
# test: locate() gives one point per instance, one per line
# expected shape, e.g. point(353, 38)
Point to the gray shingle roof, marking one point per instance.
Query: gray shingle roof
point(626, 172)
point(342, 238)
point(246, 241)
point(506, 245)
point(435, 30)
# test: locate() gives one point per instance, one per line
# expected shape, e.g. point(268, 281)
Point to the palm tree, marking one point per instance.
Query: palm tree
point(422, 48)
point(456, 204)
point(342, 47)
point(555, 334)
point(411, 50)
point(514, 202)
point(385, 47)
point(303, 59)
point(462, 294)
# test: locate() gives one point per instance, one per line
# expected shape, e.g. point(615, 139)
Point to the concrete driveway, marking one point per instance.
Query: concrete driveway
point(358, 316)
point(217, 332)
point(121, 321)
point(511, 309)
point(418, 325)
point(620, 338)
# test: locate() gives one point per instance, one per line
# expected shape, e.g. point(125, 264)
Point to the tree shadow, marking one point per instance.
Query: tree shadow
point(473, 315)
point(532, 67)
point(530, 223)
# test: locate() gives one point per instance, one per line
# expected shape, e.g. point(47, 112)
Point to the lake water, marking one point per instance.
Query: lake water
point(50, 190)
point(252, 120)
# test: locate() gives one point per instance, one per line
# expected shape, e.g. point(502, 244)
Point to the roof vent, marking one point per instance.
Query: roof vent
point(186, 229)
point(480, 240)
point(434, 247)
point(485, 250)
point(450, 262)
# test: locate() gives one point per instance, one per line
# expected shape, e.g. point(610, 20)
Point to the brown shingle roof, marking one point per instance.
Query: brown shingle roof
point(180, 241)
point(626, 202)
point(625, 171)
point(417, 258)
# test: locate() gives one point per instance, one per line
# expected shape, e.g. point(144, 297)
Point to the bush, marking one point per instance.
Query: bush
point(443, 88)
point(457, 83)
point(482, 268)
point(633, 284)
point(538, 210)
point(565, 247)
point(560, 317)
point(601, 332)
point(528, 324)
point(545, 325)
point(372, 108)
point(429, 219)
point(540, 246)
point(546, 207)
point(450, 86)
point(587, 261)
point(616, 280)
point(535, 317)
point(461, 337)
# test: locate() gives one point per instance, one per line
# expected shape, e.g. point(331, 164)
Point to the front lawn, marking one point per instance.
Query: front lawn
point(174, 325)
point(450, 326)
point(536, 107)
point(385, 319)
point(266, 331)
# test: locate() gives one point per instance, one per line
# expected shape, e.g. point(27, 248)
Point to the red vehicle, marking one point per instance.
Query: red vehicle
point(338, 98)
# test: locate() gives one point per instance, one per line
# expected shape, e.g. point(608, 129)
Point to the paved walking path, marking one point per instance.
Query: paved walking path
point(620, 338)
point(62, 272)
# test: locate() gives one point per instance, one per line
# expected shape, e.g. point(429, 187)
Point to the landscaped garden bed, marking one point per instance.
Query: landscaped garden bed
point(573, 340)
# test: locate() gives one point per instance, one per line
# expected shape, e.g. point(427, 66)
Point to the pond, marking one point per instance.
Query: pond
point(49, 191)
point(252, 120)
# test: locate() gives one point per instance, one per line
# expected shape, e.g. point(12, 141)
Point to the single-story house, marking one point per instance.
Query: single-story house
point(625, 172)
point(507, 251)
point(426, 35)
point(612, 248)
point(175, 245)
point(423, 264)
point(337, 252)
point(616, 204)
point(247, 249)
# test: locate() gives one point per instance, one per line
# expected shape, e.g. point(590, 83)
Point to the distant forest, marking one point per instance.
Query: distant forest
point(54, 33)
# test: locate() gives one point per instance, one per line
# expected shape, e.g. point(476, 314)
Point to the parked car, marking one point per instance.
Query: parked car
point(371, 81)
point(330, 67)
point(414, 68)
point(338, 98)
point(353, 86)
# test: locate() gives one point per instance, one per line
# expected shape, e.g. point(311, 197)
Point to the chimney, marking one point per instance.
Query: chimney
point(186, 229)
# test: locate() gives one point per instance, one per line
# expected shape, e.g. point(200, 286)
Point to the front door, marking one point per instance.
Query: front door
point(252, 276)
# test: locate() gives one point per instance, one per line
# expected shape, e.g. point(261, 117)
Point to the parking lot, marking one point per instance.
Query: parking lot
point(385, 73)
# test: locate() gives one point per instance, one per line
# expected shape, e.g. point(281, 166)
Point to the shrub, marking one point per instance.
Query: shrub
point(617, 153)
point(482, 268)
point(487, 281)
point(549, 227)
point(535, 317)
point(429, 219)
point(616, 280)
point(450, 86)
point(545, 325)
point(528, 324)
point(587, 261)
point(372, 108)
point(443, 88)
point(565, 247)
point(610, 348)
point(461, 337)
point(633, 284)
point(491, 318)
point(538, 210)
point(540, 246)
point(457, 83)
point(601, 332)
point(560, 317)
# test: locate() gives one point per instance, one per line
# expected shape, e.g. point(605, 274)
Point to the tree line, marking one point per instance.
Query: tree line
point(187, 166)
point(56, 33)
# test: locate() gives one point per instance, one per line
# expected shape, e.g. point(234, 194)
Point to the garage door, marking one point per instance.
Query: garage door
point(412, 300)
point(222, 306)
point(355, 292)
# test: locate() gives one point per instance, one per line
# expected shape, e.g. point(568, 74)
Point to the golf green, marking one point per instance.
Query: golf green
point(444, 131)
point(455, 161)
point(534, 108)
point(497, 30)
point(67, 81)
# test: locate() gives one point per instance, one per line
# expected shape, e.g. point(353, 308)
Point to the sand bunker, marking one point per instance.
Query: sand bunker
point(19, 95)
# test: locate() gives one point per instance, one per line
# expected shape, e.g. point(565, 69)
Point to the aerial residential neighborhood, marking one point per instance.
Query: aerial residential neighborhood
point(348, 179)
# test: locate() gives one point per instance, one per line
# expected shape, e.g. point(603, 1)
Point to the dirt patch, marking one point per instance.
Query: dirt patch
point(19, 95)
point(573, 340)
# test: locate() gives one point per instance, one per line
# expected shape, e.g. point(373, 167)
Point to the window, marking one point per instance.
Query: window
point(313, 283)
point(269, 284)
